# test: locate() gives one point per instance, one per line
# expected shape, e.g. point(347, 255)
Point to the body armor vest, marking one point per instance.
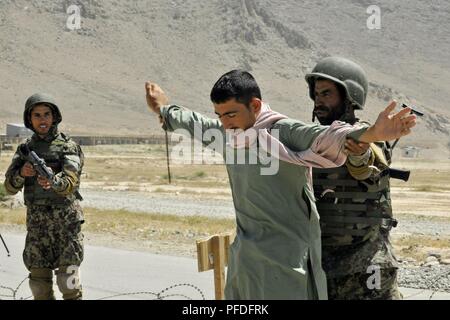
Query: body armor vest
point(351, 210)
point(52, 153)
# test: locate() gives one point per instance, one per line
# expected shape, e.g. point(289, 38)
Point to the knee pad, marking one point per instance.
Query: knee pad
point(41, 283)
point(68, 280)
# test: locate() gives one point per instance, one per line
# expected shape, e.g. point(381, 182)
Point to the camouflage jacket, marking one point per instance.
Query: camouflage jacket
point(63, 156)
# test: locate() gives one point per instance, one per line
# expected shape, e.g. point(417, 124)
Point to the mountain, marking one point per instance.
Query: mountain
point(97, 73)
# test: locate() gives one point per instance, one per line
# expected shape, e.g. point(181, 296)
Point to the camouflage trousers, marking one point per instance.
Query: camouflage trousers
point(359, 286)
point(54, 237)
point(54, 241)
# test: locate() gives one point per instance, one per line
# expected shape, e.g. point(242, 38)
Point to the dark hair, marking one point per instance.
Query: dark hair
point(236, 84)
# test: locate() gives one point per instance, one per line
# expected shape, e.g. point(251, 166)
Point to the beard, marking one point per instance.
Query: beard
point(327, 115)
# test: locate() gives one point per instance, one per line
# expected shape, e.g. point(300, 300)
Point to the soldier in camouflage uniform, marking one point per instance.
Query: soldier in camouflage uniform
point(353, 201)
point(54, 239)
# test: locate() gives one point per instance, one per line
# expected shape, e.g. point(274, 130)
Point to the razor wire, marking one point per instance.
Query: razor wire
point(161, 295)
point(432, 286)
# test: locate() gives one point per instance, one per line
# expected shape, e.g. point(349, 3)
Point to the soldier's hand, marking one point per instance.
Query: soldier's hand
point(354, 148)
point(393, 126)
point(27, 170)
point(156, 98)
point(44, 183)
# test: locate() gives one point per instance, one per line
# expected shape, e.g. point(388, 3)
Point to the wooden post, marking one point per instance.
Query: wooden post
point(218, 249)
point(212, 253)
point(168, 157)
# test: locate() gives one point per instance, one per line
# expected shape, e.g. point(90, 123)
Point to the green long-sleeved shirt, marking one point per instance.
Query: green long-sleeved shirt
point(277, 250)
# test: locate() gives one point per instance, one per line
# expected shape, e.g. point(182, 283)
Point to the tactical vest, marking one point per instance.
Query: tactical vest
point(52, 153)
point(351, 211)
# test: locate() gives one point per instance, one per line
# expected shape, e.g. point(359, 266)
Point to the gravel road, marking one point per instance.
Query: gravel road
point(158, 203)
point(425, 277)
point(183, 204)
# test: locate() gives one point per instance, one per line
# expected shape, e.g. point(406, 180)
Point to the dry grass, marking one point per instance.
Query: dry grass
point(418, 246)
point(5, 159)
point(147, 164)
point(114, 164)
point(429, 176)
point(13, 217)
point(427, 192)
point(2, 192)
point(416, 217)
point(137, 225)
point(153, 226)
point(157, 233)
point(424, 241)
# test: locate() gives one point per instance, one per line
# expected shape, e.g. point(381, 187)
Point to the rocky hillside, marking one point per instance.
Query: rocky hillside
point(98, 72)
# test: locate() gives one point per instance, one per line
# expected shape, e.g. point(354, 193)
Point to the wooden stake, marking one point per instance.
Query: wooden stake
point(212, 253)
point(167, 156)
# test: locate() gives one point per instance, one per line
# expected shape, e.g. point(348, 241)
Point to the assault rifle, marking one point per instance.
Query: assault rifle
point(41, 168)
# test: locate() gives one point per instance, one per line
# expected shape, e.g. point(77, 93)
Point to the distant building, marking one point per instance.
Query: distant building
point(410, 152)
point(14, 130)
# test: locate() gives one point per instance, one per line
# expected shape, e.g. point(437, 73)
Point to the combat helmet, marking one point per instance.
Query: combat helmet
point(344, 72)
point(41, 98)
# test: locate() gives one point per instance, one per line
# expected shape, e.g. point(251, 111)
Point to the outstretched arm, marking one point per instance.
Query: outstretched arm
point(327, 147)
point(175, 117)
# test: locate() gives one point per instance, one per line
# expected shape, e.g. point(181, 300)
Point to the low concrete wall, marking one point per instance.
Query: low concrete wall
point(96, 140)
